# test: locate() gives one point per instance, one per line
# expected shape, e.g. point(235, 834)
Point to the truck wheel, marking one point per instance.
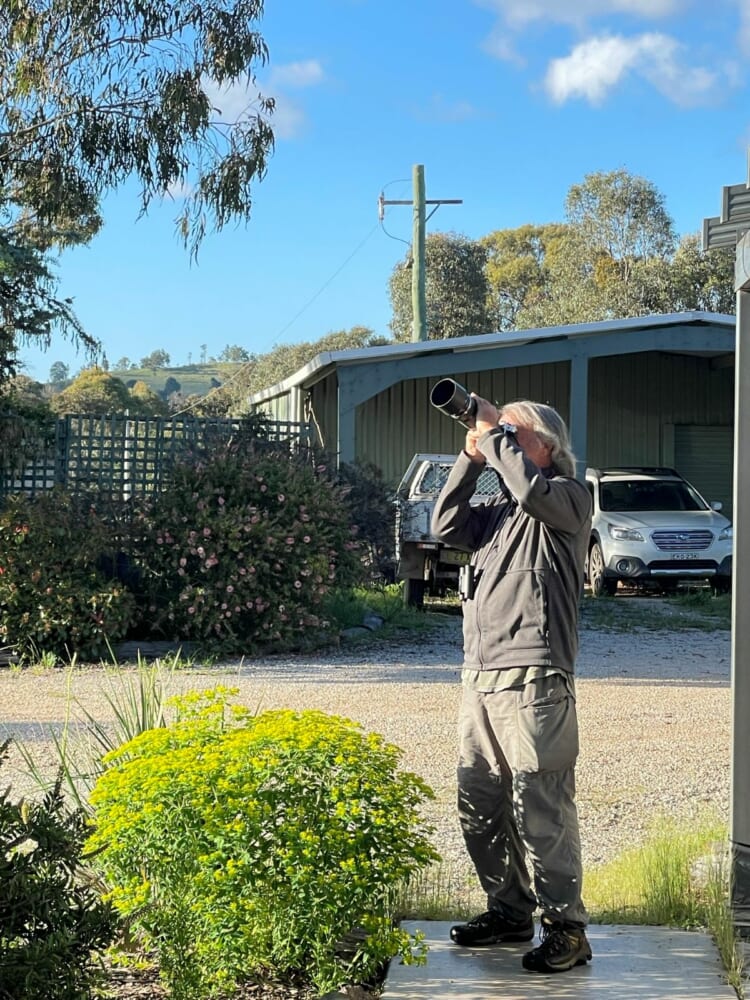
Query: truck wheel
point(601, 585)
point(413, 592)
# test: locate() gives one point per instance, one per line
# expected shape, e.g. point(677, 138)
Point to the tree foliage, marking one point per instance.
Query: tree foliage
point(156, 359)
point(622, 216)
point(59, 373)
point(30, 309)
point(456, 290)
point(148, 402)
point(283, 360)
point(616, 256)
point(93, 94)
point(99, 93)
point(22, 393)
point(94, 392)
point(703, 280)
point(517, 267)
point(234, 354)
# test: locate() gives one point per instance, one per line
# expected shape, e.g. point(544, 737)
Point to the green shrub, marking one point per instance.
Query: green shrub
point(54, 597)
point(52, 924)
point(369, 502)
point(241, 549)
point(254, 847)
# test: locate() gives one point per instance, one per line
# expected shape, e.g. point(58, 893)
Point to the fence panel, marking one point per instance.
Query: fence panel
point(119, 456)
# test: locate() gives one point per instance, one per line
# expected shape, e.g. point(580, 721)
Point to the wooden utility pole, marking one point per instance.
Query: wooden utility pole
point(418, 292)
point(418, 288)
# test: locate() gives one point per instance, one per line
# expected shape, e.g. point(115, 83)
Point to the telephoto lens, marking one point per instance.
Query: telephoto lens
point(452, 399)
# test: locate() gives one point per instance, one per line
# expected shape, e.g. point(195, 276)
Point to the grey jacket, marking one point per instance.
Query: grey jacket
point(528, 552)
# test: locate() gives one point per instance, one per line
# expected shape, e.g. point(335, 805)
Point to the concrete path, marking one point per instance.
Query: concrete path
point(630, 963)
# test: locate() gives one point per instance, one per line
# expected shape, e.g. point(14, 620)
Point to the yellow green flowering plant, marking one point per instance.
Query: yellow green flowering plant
point(253, 846)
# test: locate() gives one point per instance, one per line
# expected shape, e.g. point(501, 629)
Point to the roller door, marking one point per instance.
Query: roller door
point(704, 456)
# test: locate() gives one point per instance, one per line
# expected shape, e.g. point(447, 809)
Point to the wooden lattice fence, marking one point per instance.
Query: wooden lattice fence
point(119, 456)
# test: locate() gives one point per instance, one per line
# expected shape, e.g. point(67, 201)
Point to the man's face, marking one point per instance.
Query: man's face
point(531, 444)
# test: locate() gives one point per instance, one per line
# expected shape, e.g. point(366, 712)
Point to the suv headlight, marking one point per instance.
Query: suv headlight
point(727, 534)
point(624, 534)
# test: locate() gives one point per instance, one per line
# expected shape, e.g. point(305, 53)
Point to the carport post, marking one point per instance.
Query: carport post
point(739, 832)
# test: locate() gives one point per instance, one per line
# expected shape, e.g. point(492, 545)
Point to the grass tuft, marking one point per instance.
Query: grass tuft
point(431, 895)
point(136, 700)
point(677, 878)
point(348, 608)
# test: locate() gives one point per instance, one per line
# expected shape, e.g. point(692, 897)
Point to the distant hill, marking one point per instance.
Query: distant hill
point(193, 380)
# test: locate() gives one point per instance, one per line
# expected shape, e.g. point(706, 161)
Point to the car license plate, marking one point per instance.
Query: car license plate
point(684, 555)
point(454, 557)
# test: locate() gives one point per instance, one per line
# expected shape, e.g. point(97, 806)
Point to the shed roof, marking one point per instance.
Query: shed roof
point(324, 362)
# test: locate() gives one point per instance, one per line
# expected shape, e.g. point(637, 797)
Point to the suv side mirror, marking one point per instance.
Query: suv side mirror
point(715, 505)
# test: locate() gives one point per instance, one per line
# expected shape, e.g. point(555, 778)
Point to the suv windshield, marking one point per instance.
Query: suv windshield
point(648, 494)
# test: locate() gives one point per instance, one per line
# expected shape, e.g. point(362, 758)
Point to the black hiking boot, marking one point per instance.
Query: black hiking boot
point(491, 928)
point(563, 947)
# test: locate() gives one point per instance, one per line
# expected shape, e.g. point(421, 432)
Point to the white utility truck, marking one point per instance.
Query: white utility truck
point(425, 565)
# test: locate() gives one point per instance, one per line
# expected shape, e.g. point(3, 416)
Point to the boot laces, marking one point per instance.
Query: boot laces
point(555, 939)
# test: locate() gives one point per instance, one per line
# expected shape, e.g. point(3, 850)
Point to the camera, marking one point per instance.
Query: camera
point(452, 399)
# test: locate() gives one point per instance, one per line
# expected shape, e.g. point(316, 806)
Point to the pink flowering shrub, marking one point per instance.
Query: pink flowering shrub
point(55, 592)
point(241, 549)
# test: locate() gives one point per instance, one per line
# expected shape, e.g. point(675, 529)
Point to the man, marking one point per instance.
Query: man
point(518, 727)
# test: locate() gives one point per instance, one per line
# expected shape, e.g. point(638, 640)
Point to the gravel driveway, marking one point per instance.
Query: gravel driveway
point(654, 712)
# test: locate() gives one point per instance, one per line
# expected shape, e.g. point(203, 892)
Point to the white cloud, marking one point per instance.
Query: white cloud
point(441, 110)
point(518, 13)
point(744, 33)
point(297, 75)
point(232, 101)
point(288, 119)
point(597, 65)
point(179, 190)
point(500, 46)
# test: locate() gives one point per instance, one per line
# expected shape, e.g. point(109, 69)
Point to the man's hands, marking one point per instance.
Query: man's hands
point(486, 418)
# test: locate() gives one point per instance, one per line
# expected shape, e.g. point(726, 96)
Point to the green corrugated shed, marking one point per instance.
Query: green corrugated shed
point(633, 391)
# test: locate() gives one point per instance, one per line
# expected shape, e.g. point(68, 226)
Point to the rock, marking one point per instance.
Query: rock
point(355, 632)
point(373, 622)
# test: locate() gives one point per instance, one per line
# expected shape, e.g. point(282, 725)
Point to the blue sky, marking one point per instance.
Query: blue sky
point(506, 103)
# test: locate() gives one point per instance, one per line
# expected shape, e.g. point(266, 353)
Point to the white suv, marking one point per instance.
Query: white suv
point(650, 524)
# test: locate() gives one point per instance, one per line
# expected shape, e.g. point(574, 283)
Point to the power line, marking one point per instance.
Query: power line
point(248, 364)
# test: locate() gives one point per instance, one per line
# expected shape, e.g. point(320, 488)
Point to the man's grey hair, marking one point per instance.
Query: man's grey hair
point(549, 425)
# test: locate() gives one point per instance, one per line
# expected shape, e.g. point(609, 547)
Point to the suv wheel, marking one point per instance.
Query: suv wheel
point(601, 585)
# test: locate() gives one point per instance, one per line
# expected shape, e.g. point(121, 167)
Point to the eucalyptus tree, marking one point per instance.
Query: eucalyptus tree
point(95, 393)
point(702, 280)
point(615, 256)
point(620, 222)
point(59, 373)
point(517, 268)
point(99, 93)
point(234, 354)
point(156, 359)
point(283, 360)
point(456, 290)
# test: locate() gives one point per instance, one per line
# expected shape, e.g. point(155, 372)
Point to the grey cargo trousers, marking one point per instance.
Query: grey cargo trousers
point(516, 797)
